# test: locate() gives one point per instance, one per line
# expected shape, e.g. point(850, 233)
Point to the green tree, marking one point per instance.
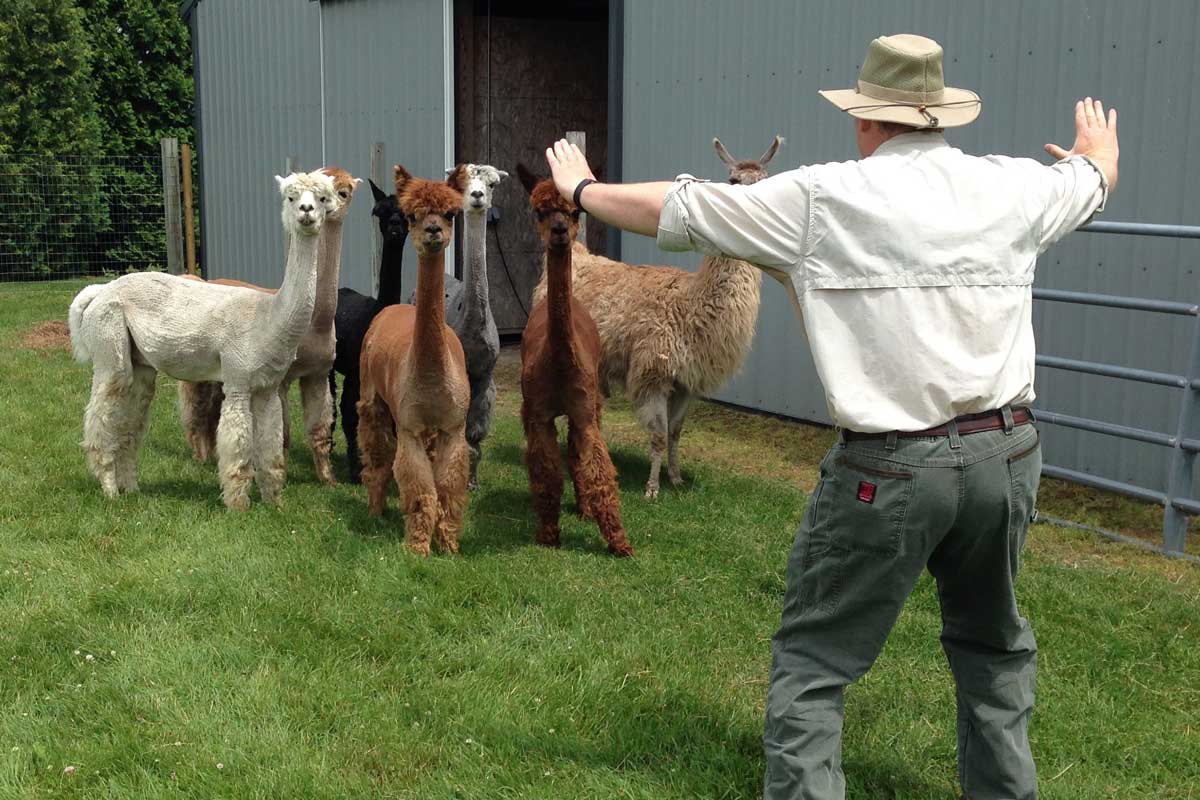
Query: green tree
point(47, 104)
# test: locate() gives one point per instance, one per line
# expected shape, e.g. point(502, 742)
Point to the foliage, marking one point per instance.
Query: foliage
point(165, 648)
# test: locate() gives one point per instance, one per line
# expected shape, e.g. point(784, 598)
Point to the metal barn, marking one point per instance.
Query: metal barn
point(651, 82)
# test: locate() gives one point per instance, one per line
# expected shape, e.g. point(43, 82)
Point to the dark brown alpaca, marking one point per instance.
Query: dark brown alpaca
point(412, 409)
point(559, 354)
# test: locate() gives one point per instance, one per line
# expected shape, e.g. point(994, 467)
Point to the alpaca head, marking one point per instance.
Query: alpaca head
point(430, 208)
point(392, 224)
point(476, 182)
point(557, 218)
point(344, 185)
point(307, 196)
point(747, 172)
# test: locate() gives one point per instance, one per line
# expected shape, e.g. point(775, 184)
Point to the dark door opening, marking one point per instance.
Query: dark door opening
point(525, 73)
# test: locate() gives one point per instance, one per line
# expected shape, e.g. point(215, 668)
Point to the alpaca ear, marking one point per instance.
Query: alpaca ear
point(502, 174)
point(771, 151)
point(357, 182)
point(528, 179)
point(279, 182)
point(456, 178)
point(403, 176)
point(723, 154)
point(377, 193)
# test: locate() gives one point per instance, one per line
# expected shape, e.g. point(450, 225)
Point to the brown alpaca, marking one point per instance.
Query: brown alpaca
point(560, 351)
point(200, 403)
point(412, 408)
point(668, 334)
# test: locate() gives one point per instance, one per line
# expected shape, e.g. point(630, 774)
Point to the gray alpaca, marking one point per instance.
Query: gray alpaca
point(468, 311)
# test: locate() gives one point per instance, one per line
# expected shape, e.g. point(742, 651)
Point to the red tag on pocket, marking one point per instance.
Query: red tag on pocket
point(866, 492)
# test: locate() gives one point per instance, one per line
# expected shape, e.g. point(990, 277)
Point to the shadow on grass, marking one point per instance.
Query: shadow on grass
point(633, 468)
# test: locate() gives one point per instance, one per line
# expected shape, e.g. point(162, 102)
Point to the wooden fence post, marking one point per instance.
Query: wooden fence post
point(376, 237)
point(579, 138)
point(189, 226)
point(170, 177)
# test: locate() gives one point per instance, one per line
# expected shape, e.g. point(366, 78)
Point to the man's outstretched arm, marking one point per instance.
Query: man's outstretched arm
point(633, 207)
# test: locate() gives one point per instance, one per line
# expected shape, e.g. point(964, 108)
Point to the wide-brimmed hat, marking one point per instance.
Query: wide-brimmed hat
point(901, 81)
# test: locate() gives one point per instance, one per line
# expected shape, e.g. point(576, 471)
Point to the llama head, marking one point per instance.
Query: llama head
point(306, 198)
point(430, 208)
point(747, 172)
point(476, 182)
point(557, 218)
point(344, 185)
point(392, 224)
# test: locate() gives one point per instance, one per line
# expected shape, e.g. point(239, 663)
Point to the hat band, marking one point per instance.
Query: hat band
point(899, 95)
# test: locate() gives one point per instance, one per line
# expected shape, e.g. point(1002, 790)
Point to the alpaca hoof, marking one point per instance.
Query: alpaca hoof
point(238, 504)
point(676, 479)
point(548, 538)
point(327, 480)
point(419, 548)
point(652, 491)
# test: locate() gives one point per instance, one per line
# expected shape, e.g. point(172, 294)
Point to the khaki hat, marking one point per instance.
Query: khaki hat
point(901, 81)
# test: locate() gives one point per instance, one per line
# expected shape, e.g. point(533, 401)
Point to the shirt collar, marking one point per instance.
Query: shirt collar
point(911, 142)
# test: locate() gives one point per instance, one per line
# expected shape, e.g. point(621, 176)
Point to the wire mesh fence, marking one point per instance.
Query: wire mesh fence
point(76, 216)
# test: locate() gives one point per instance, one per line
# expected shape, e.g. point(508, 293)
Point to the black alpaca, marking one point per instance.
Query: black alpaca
point(355, 312)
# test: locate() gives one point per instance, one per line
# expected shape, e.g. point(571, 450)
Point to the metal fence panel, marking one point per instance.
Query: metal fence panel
point(695, 69)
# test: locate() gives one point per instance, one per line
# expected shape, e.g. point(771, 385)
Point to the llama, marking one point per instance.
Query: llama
point(144, 323)
point(355, 312)
point(560, 351)
point(200, 403)
point(667, 334)
point(412, 411)
point(468, 311)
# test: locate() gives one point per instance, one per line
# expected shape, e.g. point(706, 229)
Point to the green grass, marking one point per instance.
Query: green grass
point(165, 648)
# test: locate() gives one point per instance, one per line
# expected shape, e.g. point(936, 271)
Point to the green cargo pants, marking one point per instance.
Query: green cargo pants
point(959, 505)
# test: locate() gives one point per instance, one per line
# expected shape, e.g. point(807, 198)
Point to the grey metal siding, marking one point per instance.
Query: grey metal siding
point(744, 72)
point(260, 65)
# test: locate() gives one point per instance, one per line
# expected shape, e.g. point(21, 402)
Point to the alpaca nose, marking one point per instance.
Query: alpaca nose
point(432, 229)
point(308, 207)
point(477, 194)
point(558, 227)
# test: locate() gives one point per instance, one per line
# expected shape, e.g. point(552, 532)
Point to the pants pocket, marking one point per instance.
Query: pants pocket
point(869, 502)
point(1024, 475)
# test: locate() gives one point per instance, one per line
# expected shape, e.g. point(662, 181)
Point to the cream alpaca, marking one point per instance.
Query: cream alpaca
point(668, 334)
point(141, 324)
point(200, 404)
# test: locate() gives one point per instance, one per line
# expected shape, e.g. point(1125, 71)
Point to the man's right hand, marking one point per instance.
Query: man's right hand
point(1095, 137)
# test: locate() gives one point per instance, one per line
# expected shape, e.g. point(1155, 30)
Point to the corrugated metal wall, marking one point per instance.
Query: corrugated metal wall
point(260, 78)
point(698, 68)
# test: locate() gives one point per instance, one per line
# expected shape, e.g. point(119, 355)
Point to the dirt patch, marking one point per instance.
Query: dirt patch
point(47, 336)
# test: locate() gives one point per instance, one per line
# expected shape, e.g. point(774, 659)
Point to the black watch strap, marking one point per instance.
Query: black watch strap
point(579, 191)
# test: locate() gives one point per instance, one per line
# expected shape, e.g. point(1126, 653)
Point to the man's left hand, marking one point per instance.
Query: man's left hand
point(567, 166)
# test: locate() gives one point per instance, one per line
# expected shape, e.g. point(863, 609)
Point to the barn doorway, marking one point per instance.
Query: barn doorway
point(525, 73)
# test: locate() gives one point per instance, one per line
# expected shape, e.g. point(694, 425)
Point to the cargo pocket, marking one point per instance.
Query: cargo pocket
point(871, 504)
point(1024, 474)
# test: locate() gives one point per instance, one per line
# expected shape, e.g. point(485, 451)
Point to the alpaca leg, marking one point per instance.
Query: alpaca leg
point(418, 492)
point(350, 425)
point(677, 409)
point(332, 406)
point(573, 463)
point(318, 422)
point(479, 422)
point(137, 420)
point(192, 408)
point(652, 414)
point(102, 422)
point(377, 433)
point(270, 470)
point(213, 397)
point(596, 485)
point(235, 444)
point(545, 477)
point(451, 471)
point(285, 415)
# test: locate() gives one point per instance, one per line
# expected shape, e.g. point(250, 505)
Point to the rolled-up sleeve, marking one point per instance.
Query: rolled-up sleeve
point(1072, 192)
point(765, 223)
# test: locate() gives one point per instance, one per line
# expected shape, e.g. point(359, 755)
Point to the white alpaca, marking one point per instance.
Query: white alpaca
point(140, 324)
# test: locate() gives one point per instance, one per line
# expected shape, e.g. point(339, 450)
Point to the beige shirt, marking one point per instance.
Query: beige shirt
point(911, 270)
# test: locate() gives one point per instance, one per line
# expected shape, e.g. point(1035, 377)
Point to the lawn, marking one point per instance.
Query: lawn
point(158, 646)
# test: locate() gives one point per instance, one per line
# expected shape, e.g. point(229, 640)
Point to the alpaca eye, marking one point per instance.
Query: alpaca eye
point(411, 218)
point(449, 215)
point(343, 194)
point(291, 199)
point(734, 181)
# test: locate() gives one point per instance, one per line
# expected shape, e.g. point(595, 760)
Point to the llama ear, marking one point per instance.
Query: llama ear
point(528, 179)
point(456, 178)
point(771, 151)
point(403, 176)
point(377, 193)
point(723, 154)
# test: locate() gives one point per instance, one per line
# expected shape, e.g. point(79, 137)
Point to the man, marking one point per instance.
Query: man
point(911, 271)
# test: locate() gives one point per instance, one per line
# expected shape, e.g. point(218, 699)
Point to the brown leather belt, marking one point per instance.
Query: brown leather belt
point(967, 423)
